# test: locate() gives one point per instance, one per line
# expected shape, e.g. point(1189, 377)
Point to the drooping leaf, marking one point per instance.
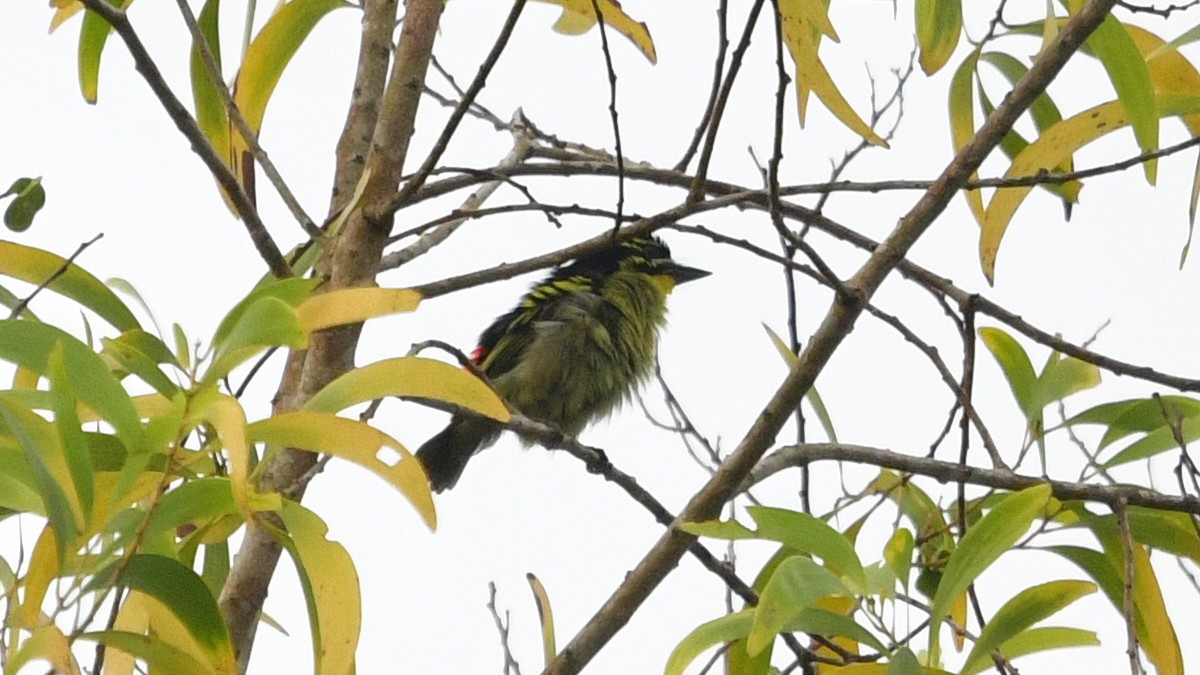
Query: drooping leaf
point(545, 618)
point(330, 584)
point(578, 17)
point(805, 24)
point(211, 116)
point(1018, 369)
point(35, 266)
point(812, 396)
point(160, 656)
point(939, 25)
point(962, 123)
point(1021, 612)
point(355, 441)
point(92, 38)
point(409, 377)
point(1050, 149)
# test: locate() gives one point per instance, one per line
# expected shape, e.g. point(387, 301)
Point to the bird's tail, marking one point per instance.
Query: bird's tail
point(446, 455)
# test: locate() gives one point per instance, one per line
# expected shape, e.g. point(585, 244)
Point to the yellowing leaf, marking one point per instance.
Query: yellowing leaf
point(805, 23)
point(64, 9)
point(578, 17)
point(266, 58)
point(962, 122)
point(225, 415)
point(1057, 143)
point(352, 440)
point(354, 305)
point(939, 25)
point(35, 266)
point(409, 377)
point(47, 642)
point(330, 586)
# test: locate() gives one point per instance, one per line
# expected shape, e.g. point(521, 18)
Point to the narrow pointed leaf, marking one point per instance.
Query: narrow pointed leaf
point(1021, 612)
point(352, 440)
point(354, 305)
point(409, 377)
point(987, 540)
point(35, 266)
point(579, 16)
point(795, 585)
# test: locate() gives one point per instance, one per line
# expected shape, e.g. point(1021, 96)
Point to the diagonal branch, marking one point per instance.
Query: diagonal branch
point(840, 319)
point(186, 124)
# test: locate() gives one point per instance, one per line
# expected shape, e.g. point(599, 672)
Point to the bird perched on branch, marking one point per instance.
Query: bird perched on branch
point(572, 349)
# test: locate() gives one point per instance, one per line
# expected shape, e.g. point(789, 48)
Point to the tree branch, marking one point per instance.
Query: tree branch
point(706, 504)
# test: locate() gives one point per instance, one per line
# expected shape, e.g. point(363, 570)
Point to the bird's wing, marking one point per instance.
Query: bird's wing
point(502, 344)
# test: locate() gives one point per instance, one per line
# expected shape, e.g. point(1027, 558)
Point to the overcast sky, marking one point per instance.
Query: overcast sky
point(120, 168)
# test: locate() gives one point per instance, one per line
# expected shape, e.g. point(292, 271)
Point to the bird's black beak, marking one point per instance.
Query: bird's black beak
point(682, 273)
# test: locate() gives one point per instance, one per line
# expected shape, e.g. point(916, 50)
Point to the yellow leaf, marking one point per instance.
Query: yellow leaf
point(1158, 639)
point(47, 642)
point(331, 587)
point(44, 565)
point(805, 23)
point(354, 441)
point(409, 377)
point(578, 17)
point(65, 9)
point(1055, 144)
point(163, 623)
point(225, 415)
point(354, 305)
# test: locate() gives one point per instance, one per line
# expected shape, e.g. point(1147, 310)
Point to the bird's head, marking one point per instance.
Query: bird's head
point(645, 255)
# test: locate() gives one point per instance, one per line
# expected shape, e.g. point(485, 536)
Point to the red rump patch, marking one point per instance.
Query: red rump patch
point(479, 354)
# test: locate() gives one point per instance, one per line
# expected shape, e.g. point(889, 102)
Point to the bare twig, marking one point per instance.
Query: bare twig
point(24, 303)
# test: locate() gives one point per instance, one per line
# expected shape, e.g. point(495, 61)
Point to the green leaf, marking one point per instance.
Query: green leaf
point(29, 345)
point(812, 396)
point(211, 116)
point(37, 440)
point(1130, 77)
point(1038, 640)
point(987, 540)
point(1131, 416)
point(268, 322)
point(92, 38)
point(730, 530)
point(904, 662)
point(1017, 368)
point(28, 198)
point(810, 535)
point(962, 122)
point(37, 267)
point(939, 25)
point(898, 554)
point(1062, 377)
point(1020, 613)
point(330, 585)
point(160, 656)
point(289, 291)
point(139, 352)
point(795, 585)
point(924, 514)
point(71, 438)
point(186, 596)
point(718, 631)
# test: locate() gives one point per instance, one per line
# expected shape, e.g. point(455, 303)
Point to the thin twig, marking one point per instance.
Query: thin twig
point(62, 269)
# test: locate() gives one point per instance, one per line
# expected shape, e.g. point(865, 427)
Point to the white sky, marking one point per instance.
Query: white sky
point(120, 168)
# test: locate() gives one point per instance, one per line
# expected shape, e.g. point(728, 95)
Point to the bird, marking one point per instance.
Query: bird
point(573, 349)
